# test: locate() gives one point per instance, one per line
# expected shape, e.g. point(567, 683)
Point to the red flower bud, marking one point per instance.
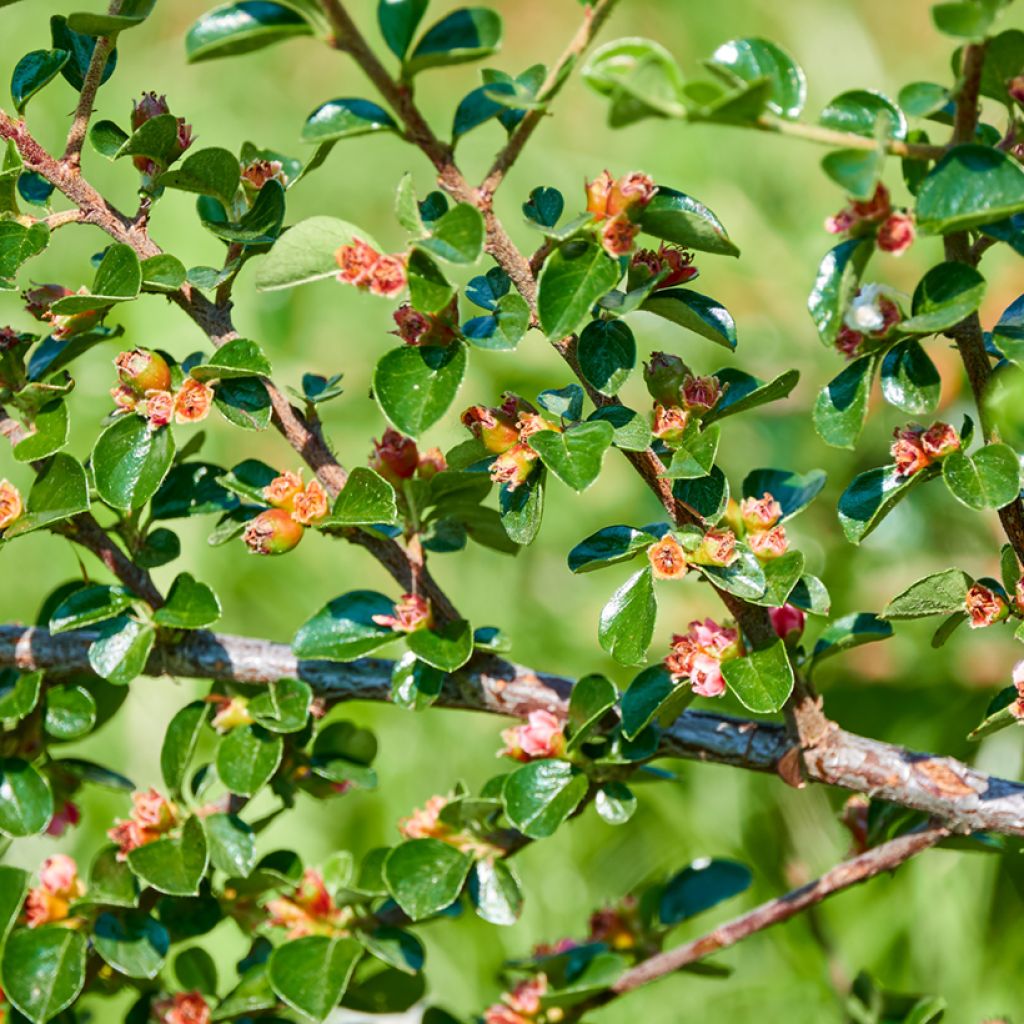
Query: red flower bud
point(272, 532)
point(147, 108)
point(664, 376)
point(388, 277)
point(143, 370)
point(10, 504)
point(412, 324)
point(158, 408)
point(416, 328)
point(896, 233)
point(939, 440)
point(432, 462)
point(356, 262)
point(788, 622)
point(668, 559)
point(608, 198)
point(618, 236)
point(1015, 89)
point(675, 262)
point(395, 457)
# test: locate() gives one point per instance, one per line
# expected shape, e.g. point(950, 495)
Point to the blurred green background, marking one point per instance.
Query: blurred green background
point(948, 923)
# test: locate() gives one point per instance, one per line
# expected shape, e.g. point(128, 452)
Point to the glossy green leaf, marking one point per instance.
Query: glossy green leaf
point(590, 699)
point(34, 72)
point(503, 328)
point(232, 844)
point(639, 76)
point(781, 575)
point(842, 404)
point(872, 495)
point(130, 461)
point(850, 631)
point(615, 803)
point(910, 380)
point(947, 294)
point(59, 492)
point(247, 758)
point(111, 882)
point(648, 695)
point(189, 605)
point(694, 455)
point(627, 620)
point(14, 885)
point(244, 402)
point(676, 217)
point(938, 594)
point(208, 172)
point(865, 112)
point(81, 48)
point(793, 491)
point(495, 892)
point(751, 59)
point(631, 430)
point(699, 887)
point(366, 499)
point(540, 795)
point(305, 253)
point(744, 577)
point(196, 971)
point(259, 225)
point(970, 186)
point(242, 27)
point(855, 171)
point(606, 351)
point(132, 942)
point(122, 649)
point(283, 705)
point(446, 647)
point(342, 752)
point(963, 19)
point(838, 279)
point(763, 680)
point(398, 20)
point(89, 605)
point(157, 139)
point(416, 385)
point(696, 312)
point(744, 391)
point(457, 236)
point(346, 118)
point(425, 875)
point(466, 34)
point(180, 743)
point(990, 478)
point(311, 974)
point(344, 629)
point(999, 715)
point(173, 866)
point(708, 495)
point(574, 455)
point(19, 693)
point(26, 803)
point(118, 279)
point(574, 277)
point(44, 970)
point(608, 546)
point(415, 684)
point(70, 712)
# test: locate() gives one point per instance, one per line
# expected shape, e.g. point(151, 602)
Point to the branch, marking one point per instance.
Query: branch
point(848, 140)
point(886, 857)
point(965, 799)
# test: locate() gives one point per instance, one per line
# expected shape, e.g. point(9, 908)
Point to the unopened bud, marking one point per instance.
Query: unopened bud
point(668, 558)
point(669, 424)
point(143, 370)
point(432, 462)
point(1015, 89)
point(272, 532)
point(896, 233)
point(939, 440)
point(788, 622)
point(674, 262)
point(146, 108)
point(701, 393)
point(768, 544)
point(231, 713)
point(760, 513)
point(395, 457)
point(664, 376)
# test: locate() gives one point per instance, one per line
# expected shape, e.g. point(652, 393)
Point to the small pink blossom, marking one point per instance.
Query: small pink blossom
point(59, 875)
point(11, 505)
point(699, 653)
point(514, 467)
point(540, 737)
point(896, 233)
point(907, 450)
point(718, 548)
point(521, 1005)
point(706, 676)
point(67, 817)
point(618, 236)
point(309, 506)
point(183, 1008)
point(425, 822)
point(669, 423)
point(984, 606)
point(388, 276)
point(760, 513)
point(701, 393)
point(192, 404)
point(768, 544)
point(411, 613)
point(158, 408)
point(939, 440)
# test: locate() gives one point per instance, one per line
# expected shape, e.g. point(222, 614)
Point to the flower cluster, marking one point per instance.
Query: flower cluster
point(360, 264)
point(520, 1006)
point(152, 817)
point(872, 313)
point(182, 1008)
point(145, 388)
point(40, 300)
point(293, 507)
point(915, 448)
point(539, 737)
point(679, 395)
point(11, 505)
point(144, 110)
point(59, 886)
point(309, 910)
point(614, 204)
point(984, 606)
point(416, 328)
point(670, 264)
point(671, 560)
point(893, 229)
point(698, 656)
point(759, 519)
point(411, 613)
point(505, 431)
point(397, 458)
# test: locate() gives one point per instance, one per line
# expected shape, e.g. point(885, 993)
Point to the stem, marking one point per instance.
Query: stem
point(847, 140)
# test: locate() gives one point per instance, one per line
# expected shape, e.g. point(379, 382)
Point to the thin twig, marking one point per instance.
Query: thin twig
point(848, 140)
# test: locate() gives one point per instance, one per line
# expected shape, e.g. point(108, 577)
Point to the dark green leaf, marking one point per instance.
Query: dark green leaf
point(180, 743)
point(523, 508)
point(699, 887)
point(398, 20)
point(574, 277)
point(311, 974)
point(540, 795)
point(971, 185)
point(44, 970)
point(495, 892)
point(909, 378)
point(81, 48)
point(744, 577)
point(706, 495)
point(676, 217)
point(111, 882)
point(189, 605)
point(236, 28)
point(243, 401)
point(89, 605)
point(34, 72)
point(608, 546)
point(131, 942)
point(173, 866)
point(446, 647)
point(344, 630)
point(70, 712)
point(466, 34)
point(415, 385)
point(59, 492)
point(627, 620)
point(606, 351)
point(457, 236)
point(26, 803)
point(947, 294)
point(247, 758)
point(425, 875)
point(850, 631)
point(344, 119)
point(749, 60)
point(591, 698)
point(574, 455)
point(865, 112)
point(232, 844)
point(838, 280)
point(695, 312)
point(763, 680)
point(744, 392)
point(209, 172)
point(130, 461)
point(872, 495)
point(990, 478)
point(842, 404)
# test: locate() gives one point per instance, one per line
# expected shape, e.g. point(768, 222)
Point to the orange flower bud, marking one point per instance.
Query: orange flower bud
point(669, 423)
point(281, 491)
point(356, 262)
point(768, 544)
point(158, 408)
point(143, 370)
point(717, 548)
point(272, 532)
point(514, 467)
point(388, 277)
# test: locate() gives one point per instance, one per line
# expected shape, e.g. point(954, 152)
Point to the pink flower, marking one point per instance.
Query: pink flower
point(59, 885)
point(158, 408)
point(425, 822)
point(768, 544)
point(672, 260)
point(183, 1008)
point(496, 429)
point(607, 198)
point(788, 622)
point(59, 875)
point(514, 467)
point(618, 236)
point(151, 809)
point(907, 450)
point(760, 513)
point(257, 173)
point(706, 676)
point(521, 1005)
point(984, 606)
point(701, 393)
point(668, 559)
point(10, 504)
point(540, 737)
point(698, 656)
point(193, 402)
point(896, 233)
point(309, 909)
point(124, 398)
point(411, 613)
point(388, 277)
point(669, 423)
point(67, 817)
point(717, 548)
point(356, 262)
point(939, 440)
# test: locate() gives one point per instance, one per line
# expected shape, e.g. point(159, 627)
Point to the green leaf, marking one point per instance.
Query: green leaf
point(495, 892)
point(344, 119)
point(111, 882)
point(699, 887)
point(14, 885)
point(283, 706)
point(208, 172)
point(446, 648)
point(18, 244)
point(118, 279)
point(120, 653)
point(425, 875)
point(305, 253)
point(180, 743)
point(744, 392)
point(196, 971)
point(259, 225)
point(842, 404)
point(189, 605)
point(107, 138)
point(173, 866)
point(244, 402)
point(415, 684)
point(694, 456)
point(639, 76)
point(466, 34)
point(947, 294)
point(971, 185)
point(632, 432)
point(81, 49)
point(540, 795)
point(89, 605)
point(850, 631)
point(793, 491)
point(855, 171)
point(574, 277)
point(366, 499)
point(1008, 333)
point(130, 462)
point(965, 20)
point(232, 844)
point(59, 492)
point(242, 27)
point(398, 20)
point(503, 328)
point(938, 594)
point(342, 753)
point(344, 629)
point(311, 974)
point(247, 758)
point(781, 575)
point(416, 385)
point(19, 693)
point(131, 942)
point(590, 699)
point(676, 217)
point(523, 508)
point(608, 546)
point(34, 72)
point(457, 236)
point(695, 312)
point(708, 495)
point(1000, 715)
point(744, 577)
point(909, 378)
point(838, 280)
point(26, 803)
point(70, 712)
point(157, 139)
point(44, 970)
point(130, 14)
point(162, 273)
point(627, 620)
point(988, 479)
point(1004, 58)
point(872, 495)
point(865, 112)
point(648, 695)
point(763, 680)
point(429, 290)
point(749, 60)
point(574, 455)
point(606, 351)
point(811, 595)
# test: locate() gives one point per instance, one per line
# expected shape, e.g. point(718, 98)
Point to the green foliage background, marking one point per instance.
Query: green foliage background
point(948, 924)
